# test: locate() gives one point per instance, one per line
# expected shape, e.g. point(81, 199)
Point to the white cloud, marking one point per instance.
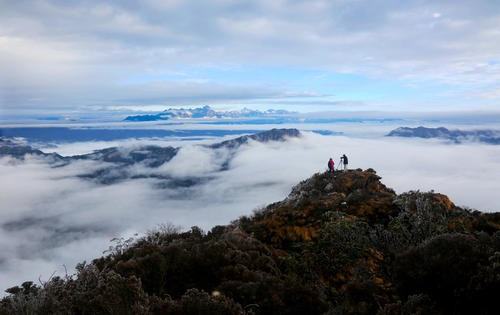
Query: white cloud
point(79, 54)
point(48, 217)
point(194, 160)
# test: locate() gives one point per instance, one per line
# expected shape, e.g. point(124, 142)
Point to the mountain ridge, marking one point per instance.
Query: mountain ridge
point(207, 112)
point(118, 159)
point(456, 136)
point(19, 149)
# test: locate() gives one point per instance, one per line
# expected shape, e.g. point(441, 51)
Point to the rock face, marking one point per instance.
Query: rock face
point(457, 136)
point(343, 244)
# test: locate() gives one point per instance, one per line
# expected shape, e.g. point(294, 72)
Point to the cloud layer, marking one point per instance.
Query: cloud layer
point(60, 55)
point(49, 217)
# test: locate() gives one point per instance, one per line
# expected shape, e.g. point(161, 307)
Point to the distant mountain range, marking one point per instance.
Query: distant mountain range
point(116, 160)
point(457, 136)
point(208, 112)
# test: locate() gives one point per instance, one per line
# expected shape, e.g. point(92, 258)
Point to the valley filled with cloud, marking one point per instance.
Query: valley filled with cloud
point(52, 218)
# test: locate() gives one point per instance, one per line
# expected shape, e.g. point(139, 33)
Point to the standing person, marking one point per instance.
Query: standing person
point(331, 165)
point(344, 161)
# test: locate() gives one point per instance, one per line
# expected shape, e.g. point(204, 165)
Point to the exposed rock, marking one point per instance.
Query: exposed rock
point(329, 187)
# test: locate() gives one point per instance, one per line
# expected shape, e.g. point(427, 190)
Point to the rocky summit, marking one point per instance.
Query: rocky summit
point(340, 243)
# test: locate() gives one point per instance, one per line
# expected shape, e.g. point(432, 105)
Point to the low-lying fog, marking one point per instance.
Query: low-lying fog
point(49, 217)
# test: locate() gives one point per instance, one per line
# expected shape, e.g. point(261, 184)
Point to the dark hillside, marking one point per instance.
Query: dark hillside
point(343, 244)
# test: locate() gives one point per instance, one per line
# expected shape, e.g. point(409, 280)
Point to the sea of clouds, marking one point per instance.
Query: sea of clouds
point(50, 218)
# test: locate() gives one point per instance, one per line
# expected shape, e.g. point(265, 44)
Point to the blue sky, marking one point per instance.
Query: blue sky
point(312, 89)
point(316, 55)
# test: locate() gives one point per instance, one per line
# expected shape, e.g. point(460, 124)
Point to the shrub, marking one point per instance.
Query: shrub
point(441, 267)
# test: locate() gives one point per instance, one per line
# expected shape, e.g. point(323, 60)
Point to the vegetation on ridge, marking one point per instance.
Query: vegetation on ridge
point(343, 244)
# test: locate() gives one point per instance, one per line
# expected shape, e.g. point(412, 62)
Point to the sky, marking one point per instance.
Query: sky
point(316, 55)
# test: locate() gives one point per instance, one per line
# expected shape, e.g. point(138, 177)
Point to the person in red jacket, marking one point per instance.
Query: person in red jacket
point(331, 165)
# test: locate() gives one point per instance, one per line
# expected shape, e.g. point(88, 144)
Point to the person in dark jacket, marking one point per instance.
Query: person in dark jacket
point(331, 165)
point(344, 161)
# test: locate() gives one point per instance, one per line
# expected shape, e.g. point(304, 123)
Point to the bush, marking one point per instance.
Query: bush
point(441, 267)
